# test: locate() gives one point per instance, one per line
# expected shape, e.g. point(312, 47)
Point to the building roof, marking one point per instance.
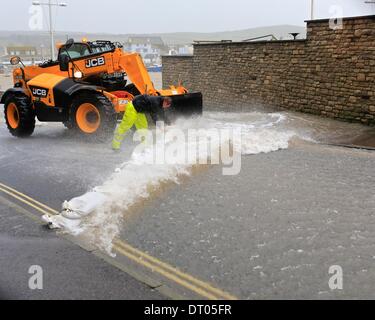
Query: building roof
point(21, 48)
point(156, 41)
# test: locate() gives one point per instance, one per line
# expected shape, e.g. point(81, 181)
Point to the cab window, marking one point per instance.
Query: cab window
point(78, 50)
point(101, 48)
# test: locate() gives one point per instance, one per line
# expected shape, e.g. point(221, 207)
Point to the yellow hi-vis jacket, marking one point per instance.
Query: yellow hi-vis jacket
point(131, 118)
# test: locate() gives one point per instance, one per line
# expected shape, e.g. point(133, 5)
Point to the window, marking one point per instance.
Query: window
point(78, 50)
point(101, 48)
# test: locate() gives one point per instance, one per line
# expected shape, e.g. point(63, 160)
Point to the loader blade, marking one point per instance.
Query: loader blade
point(186, 106)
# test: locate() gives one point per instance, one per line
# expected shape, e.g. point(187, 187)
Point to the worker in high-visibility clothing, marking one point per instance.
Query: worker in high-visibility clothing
point(135, 115)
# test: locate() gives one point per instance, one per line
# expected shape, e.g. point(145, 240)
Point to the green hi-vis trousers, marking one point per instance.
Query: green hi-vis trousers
point(131, 118)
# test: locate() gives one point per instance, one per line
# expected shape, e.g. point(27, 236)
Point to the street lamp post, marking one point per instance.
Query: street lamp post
point(42, 51)
point(51, 31)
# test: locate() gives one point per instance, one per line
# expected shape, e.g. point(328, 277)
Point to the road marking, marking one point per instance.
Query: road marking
point(28, 198)
point(185, 280)
point(166, 274)
point(24, 201)
point(19, 209)
point(143, 256)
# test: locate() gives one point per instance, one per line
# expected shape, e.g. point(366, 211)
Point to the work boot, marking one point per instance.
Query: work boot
point(116, 145)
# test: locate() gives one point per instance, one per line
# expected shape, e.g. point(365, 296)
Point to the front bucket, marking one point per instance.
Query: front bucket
point(186, 106)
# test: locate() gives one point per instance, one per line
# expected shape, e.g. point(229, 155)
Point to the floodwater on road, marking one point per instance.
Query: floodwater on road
point(138, 178)
point(294, 205)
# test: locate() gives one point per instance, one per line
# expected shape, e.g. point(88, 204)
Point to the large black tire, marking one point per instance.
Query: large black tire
point(101, 121)
point(19, 116)
point(68, 124)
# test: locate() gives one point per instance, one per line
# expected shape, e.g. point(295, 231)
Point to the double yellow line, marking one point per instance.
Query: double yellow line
point(173, 274)
point(185, 280)
point(40, 207)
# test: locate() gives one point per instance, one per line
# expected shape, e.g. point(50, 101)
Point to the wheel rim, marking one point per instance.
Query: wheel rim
point(13, 116)
point(88, 118)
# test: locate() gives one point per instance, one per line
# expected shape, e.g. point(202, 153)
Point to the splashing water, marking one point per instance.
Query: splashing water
point(137, 179)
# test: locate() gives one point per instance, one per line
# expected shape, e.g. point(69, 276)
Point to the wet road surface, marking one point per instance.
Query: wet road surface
point(271, 232)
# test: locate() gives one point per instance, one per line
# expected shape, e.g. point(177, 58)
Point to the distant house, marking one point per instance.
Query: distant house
point(152, 58)
point(28, 54)
point(150, 48)
point(23, 52)
point(181, 50)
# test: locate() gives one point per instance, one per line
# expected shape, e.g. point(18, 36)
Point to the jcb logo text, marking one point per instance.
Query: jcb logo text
point(39, 92)
point(96, 62)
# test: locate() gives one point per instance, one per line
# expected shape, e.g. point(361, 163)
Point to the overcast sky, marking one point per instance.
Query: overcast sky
point(154, 16)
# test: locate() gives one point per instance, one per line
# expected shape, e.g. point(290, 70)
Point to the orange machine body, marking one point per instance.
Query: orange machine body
point(86, 88)
point(92, 65)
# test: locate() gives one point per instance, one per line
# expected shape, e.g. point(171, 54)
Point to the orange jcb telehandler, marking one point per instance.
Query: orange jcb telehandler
point(87, 88)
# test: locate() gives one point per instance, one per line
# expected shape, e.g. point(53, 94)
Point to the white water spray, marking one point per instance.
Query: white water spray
point(99, 213)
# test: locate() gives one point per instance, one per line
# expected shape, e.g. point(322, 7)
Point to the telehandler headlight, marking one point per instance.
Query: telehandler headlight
point(78, 75)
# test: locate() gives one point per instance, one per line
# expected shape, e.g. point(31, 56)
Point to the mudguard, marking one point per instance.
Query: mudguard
point(66, 89)
point(11, 91)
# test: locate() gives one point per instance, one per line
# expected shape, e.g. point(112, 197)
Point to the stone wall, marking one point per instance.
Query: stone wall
point(331, 73)
point(183, 73)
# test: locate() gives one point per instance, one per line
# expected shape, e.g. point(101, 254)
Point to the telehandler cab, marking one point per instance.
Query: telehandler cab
point(87, 88)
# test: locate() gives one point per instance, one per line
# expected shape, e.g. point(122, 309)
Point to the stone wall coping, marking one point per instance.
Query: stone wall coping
point(370, 17)
point(178, 56)
point(249, 42)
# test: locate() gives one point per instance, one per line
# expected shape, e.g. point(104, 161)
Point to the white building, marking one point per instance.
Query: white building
point(150, 48)
point(181, 50)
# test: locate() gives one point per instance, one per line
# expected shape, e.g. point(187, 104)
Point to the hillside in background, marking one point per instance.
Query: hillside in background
point(280, 32)
point(179, 38)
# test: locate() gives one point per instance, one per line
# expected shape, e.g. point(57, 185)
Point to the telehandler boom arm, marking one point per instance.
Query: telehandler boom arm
point(134, 67)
